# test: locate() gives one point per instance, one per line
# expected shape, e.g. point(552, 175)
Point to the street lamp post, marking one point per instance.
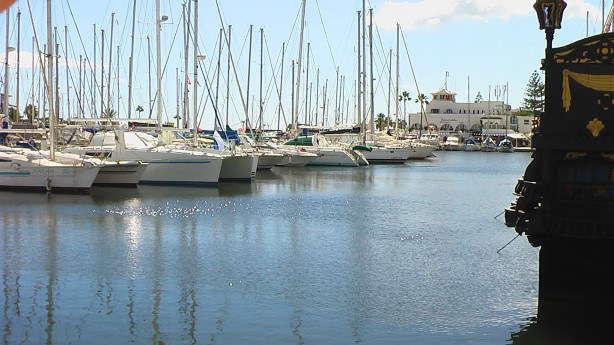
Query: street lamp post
point(550, 15)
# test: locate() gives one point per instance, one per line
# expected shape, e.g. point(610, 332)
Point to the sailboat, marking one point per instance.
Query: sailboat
point(33, 170)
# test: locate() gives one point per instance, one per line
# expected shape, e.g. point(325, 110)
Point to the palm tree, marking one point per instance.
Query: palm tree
point(422, 99)
point(31, 112)
point(381, 121)
point(139, 109)
point(109, 113)
point(404, 96)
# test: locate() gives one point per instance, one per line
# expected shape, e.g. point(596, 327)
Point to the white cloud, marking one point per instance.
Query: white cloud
point(429, 13)
point(25, 60)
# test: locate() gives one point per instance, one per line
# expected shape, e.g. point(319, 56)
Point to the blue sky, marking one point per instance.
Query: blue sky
point(470, 45)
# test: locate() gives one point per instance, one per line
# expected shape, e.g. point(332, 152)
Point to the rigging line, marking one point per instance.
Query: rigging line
point(422, 112)
point(234, 68)
point(168, 56)
point(326, 34)
point(274, 79)
point(80, 37)
point(508, 243)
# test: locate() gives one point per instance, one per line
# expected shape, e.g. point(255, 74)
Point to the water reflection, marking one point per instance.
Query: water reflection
point(567, 323)
point(318, 255)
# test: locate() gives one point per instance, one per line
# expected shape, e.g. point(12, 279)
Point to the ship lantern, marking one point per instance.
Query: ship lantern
point(550, 15)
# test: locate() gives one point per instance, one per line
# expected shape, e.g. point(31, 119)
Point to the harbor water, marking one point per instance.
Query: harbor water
point(402, 254)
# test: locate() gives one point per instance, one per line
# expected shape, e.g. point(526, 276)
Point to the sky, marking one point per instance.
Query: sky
point(465, 46)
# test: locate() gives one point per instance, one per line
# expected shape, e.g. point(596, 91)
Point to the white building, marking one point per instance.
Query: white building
point(485, 118)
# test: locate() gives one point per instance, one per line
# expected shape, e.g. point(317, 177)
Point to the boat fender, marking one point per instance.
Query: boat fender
point(15, 166)
point(48, 185)
point(88, 165)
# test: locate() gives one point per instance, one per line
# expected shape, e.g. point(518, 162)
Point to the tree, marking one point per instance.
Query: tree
point(381, 121)
point(404, 96)
point(139, 109)
point(31, 112)
point(534, 93)
point(13, 114)
point(422, 99)
point(109, 113)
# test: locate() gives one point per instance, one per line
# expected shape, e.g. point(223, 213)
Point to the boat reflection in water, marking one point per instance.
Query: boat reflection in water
point(567, 323)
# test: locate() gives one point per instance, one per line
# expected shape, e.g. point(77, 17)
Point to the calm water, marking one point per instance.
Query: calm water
point(377, 255)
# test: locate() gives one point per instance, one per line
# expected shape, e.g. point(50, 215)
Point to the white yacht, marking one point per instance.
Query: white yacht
point(26, 169)
point(452, 143)
point(328, 155)
point(166, 165)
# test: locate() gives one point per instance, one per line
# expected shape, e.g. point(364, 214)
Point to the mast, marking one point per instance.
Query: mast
point(358, 84)
point(93, 89)
point(260, 118)
point(131, 60)
point(364, 65)
point(307, 82)
point(186, 53)
point(102, 73)
point(389, 87)
point(228, 73)
point(195, 124)
point(48, 84)
point(80, 91)
point(396, 97)
point(32, 93)
point(57, 76)
point(18, 60)
point(66, 66)
point(159, 64)
point(217, 80)
point(249, 72)
point(5, 101)
point(371, 70)
point(149, 74)
point(281, 81)
point(298, 77)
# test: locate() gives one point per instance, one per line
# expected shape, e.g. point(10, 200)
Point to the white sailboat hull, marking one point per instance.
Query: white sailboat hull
point(121, 173)
point(23, 174)
point(331, 157)
point(387, 155)
point(174, 167)
point(239, 167)
point(296, 158)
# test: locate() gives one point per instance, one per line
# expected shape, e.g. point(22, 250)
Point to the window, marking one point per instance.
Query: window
point(434, 111)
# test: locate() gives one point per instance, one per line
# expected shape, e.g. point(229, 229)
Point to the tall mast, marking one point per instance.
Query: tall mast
point(18, 59)
point(159, 65)
point(5, 101)
point(281, 80)
point(66, 66)
point(396, 97)
point(389, 86)
point(260, 118)
point(228, 73)
point(364, 66)
point(131, 61)
point(307, 81)
point(48, 83)
point(371, 71)
point(298, 77)
point(186, 43)
point(249, 70)
point(217, 81)
point(94, 86)
point(358, 83)
point(149, 74)
point(102, 72)
point(195, 83)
